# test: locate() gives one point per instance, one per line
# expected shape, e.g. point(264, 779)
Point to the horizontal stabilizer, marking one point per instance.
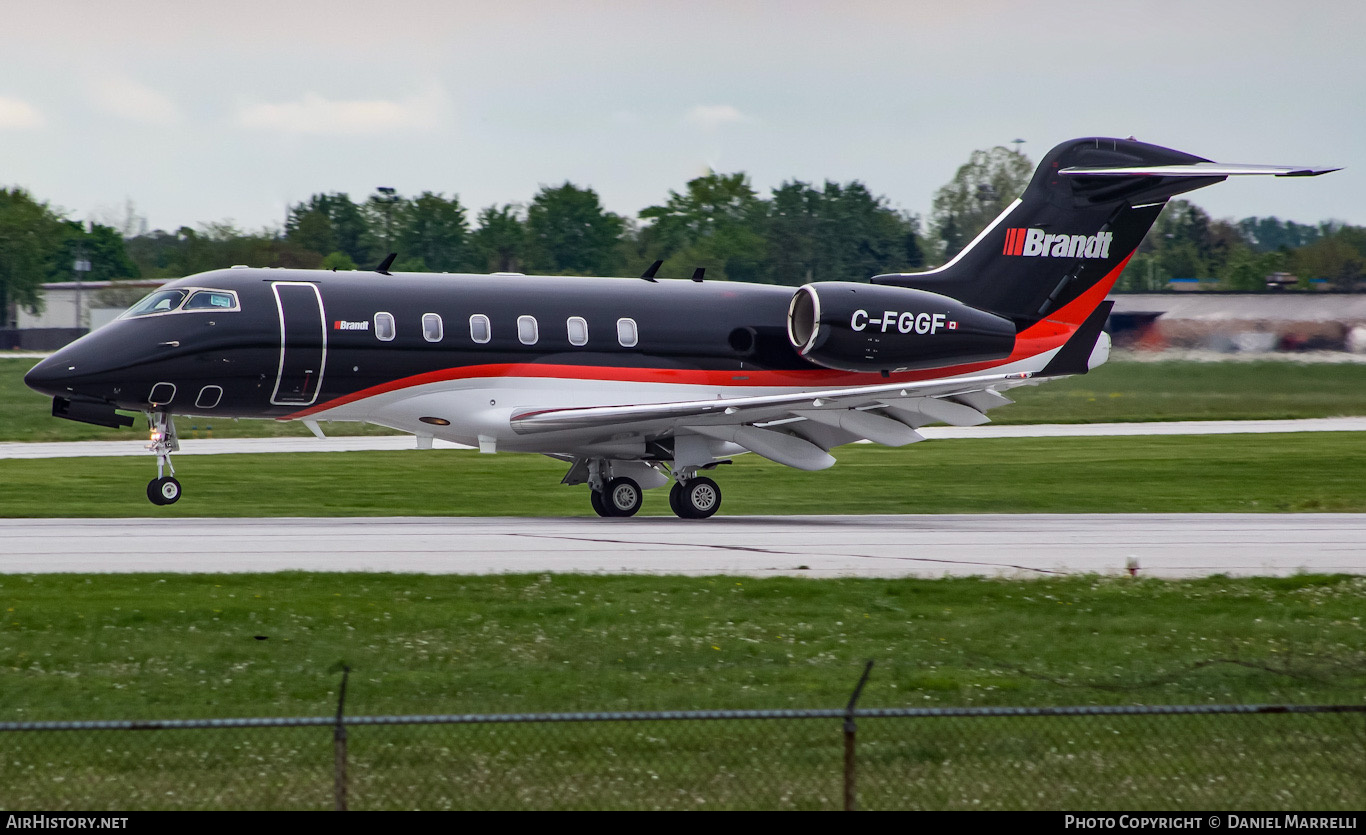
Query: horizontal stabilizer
point(1196, 169)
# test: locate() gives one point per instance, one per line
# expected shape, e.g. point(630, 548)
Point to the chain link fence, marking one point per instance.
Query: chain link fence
point(1234, 757)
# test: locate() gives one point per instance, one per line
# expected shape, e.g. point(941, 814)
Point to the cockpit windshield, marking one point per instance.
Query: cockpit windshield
point(162, 301)
point(175, 301)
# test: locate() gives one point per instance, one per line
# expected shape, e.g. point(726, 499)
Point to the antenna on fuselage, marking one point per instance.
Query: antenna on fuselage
point(698, 273)
point(649, 274)
point(383, 268)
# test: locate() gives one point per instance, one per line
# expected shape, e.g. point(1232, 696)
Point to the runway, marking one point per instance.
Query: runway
point(993, 545)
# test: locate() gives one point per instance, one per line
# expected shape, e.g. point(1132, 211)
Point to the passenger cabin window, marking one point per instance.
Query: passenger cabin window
point(384, 327)
point(526, 330)
point(626, 333)
point(479, 328)
point(431, 327)
point(578, 330)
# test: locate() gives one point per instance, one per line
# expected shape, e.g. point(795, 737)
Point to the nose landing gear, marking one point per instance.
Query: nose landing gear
point(164, 489)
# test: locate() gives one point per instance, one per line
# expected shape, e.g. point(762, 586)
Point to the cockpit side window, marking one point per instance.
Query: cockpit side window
point(212, 300)
point(162, 301)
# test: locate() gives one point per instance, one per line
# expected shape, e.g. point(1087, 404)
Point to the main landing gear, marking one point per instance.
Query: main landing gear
point(164, 489)
point(691, 496)
point(697, 498)
point(619, 497)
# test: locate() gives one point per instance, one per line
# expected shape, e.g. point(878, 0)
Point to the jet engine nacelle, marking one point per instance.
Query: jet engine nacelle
point(869, 327)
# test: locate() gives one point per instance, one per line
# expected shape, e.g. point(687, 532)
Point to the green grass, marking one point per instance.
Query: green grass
point(131, 646)
point(137, 646)
point(1256, 473)
point(1118, 391)
point(1129, 391)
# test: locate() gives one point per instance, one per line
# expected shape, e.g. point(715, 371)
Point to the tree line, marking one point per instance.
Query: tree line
point(798, 232)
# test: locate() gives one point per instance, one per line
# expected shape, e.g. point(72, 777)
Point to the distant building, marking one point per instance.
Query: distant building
point(70, 309)
point(1240, 322)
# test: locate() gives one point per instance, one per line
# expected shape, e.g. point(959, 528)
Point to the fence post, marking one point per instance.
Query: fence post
point(339, 749)
point(850, 732)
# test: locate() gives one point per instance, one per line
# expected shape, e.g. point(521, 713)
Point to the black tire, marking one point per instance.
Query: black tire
point(599, 506)
point(700, 498)
point(623, 497)
point(676, 500)
point(163, 491)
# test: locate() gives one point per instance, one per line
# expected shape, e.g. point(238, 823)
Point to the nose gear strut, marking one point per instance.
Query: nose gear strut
point(164, 489)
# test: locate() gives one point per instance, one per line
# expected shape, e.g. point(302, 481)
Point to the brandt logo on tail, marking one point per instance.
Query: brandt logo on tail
point(1038, 243)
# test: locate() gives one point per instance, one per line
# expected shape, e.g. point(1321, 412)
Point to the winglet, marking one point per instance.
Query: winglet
point(649, 274)
point(383, 268)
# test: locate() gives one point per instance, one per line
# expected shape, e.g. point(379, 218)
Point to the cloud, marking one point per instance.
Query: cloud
point(713, 116)
point(17, 114)
point(127, 99)
point(314, 114)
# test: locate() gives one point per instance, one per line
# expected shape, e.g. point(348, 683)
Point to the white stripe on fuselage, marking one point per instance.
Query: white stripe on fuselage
point(483, 406)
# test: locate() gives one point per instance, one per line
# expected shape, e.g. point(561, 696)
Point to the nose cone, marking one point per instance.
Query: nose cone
point(51, 376)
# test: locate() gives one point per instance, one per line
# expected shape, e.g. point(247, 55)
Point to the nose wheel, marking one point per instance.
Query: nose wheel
point(164, 489)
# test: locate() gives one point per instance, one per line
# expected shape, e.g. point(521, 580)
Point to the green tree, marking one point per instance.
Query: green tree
point(567, 231)
point(338, 261)
point(980, 190)
point(433, 229)
point(330, 222)
point(1334, 257)
point(499, 244)
point(1268, 234)
point(102, 246)
point(31, 237)
point(718, 224)
point(840, 233)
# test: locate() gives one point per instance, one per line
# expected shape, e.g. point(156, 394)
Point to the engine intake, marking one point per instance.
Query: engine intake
point(868, 327)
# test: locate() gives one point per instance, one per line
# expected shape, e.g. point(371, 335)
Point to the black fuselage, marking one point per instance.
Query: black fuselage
point(290, 347)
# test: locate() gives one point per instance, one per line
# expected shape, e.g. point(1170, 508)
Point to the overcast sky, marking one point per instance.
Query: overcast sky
point(204, 112)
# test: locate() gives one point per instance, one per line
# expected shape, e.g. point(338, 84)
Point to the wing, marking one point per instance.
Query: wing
point(794, 429)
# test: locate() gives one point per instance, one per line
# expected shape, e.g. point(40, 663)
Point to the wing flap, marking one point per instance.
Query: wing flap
point(781, 447)
point(738, 411)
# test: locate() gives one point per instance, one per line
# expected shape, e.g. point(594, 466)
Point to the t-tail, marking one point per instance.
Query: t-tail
point(1057, 250)
point(1031, 286)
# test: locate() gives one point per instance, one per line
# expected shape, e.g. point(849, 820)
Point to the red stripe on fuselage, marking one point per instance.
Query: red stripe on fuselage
point(1042, 336)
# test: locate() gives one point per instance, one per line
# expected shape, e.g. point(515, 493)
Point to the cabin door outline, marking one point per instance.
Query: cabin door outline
point(303, 343)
